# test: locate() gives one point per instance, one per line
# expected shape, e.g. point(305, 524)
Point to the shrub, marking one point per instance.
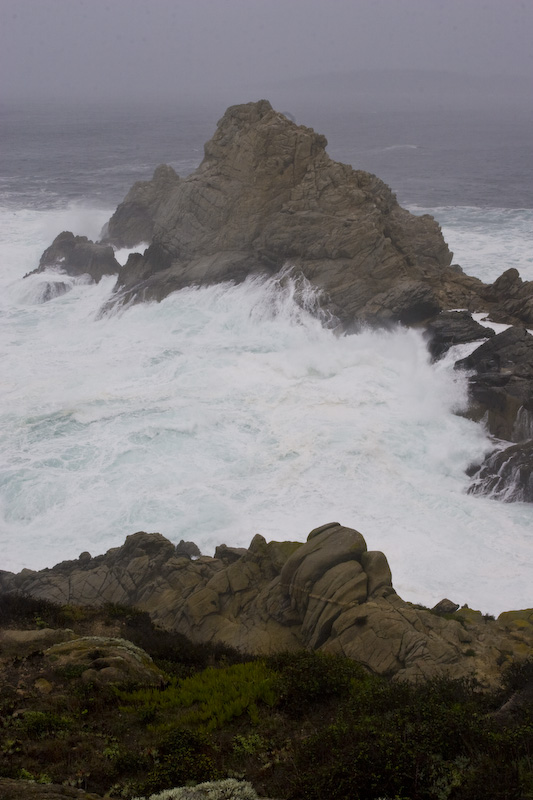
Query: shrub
point(228, 789)
point(210, 698)
point(183, 756)
point(306, 678)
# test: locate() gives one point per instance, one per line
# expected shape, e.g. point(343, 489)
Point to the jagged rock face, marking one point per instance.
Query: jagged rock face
point(267, 195)
point(505, 474)
point(501, 389)
point(133, 221)
point(511, 299)
point(451, 328)
point(330, 593)
point(76, 255)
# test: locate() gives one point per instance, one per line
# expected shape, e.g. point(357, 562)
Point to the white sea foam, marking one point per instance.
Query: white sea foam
point(487, 241)
point(228, 411)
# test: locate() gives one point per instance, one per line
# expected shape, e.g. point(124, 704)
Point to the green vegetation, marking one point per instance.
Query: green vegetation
point(298, 726)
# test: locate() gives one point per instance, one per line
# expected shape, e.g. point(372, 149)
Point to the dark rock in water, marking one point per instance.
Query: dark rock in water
point(505, 474)
point(511, 299)
point(77, 255)
point(133, 221)
point(267, 197)
point(330, 594)
point(501, 389)
point(52, 289)
point(453, 327)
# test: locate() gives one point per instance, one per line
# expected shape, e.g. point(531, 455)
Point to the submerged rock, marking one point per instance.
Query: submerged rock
point(329, 594)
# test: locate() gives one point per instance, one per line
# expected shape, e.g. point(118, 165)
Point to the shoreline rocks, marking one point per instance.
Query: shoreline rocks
point(329, 594)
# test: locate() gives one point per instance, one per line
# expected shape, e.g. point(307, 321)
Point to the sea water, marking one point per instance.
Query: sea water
point(227, 411)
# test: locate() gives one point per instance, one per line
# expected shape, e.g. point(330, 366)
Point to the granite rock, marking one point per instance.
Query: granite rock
point(328, 594)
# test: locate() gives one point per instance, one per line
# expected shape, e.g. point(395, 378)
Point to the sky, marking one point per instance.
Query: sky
point(112, 49)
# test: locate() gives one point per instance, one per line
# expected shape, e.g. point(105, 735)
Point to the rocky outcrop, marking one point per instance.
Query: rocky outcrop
point(505, 474)
point(267, 195)
point(329, 594)
point(501, 387)
point(268, 198)
point(77, 255)
point(511, 299)
point(133, 221)
point(451, 328)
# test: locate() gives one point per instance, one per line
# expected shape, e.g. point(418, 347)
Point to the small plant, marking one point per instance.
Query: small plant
point(228, 789)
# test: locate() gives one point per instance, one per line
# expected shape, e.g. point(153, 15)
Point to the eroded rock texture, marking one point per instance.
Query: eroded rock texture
point(330, 594)
point(77, 255)
point(267, 195)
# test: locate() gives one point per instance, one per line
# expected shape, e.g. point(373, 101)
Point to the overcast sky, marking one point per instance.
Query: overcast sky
point(108, 49)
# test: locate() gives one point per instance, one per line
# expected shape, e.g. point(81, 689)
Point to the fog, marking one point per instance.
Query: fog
point(236, 50)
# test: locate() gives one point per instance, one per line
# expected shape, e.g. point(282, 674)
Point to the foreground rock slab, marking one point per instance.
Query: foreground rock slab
point(328, 594)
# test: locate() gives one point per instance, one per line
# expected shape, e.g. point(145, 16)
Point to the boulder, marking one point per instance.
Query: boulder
point(105, 660)
point(510, 299)
point(77, 255)
point(501, 386)
point(329, 594)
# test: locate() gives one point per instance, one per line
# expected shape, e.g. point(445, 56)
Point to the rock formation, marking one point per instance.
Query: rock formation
point(77, 255)
point(329, 594)
point(267, 195)
point(501, 387)
point(133, 221)
point(453, 327)
point(505, 474)
point(266, 199)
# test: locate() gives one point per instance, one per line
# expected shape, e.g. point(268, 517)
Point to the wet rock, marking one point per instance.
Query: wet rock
point(77, 255)
point(511, 299)
point(505, 474)
point(501, 387)
point(451, 328)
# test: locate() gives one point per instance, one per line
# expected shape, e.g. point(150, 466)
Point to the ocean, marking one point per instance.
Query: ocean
point(227, 411)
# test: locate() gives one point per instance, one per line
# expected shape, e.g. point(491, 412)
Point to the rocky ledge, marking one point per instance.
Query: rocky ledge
point(329, 594)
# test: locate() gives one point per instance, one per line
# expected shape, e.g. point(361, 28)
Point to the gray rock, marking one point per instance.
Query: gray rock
point(266, 197)
point(505, 474)
point(77, 255)
point(453, 327)
point(501, 388)
point(133, 221)
point(330, 594)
